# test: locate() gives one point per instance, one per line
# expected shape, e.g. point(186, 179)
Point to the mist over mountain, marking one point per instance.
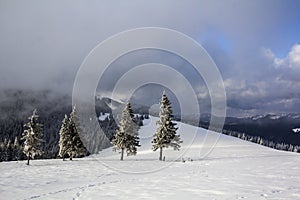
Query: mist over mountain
point(17, 105)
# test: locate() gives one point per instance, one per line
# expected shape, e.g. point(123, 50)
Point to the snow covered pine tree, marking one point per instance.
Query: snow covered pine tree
point(165, 135)
point(17, 150)
point(75, 147)
point(33, 137)
point(64, 137)
point(126, 137)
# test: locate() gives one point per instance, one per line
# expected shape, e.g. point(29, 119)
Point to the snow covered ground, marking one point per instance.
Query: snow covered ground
point(229, 169)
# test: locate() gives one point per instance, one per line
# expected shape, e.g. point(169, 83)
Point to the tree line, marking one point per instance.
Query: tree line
point(11, 151)
point(259, 140)
point(125, 137)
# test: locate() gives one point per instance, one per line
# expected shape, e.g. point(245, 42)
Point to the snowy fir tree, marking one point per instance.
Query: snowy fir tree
point(165, 135)
point(9, 148)
point(64, 138)
point(10, 151)
point(32, 137)
point(75, 147)
point(126, 137)
point(4, 150)
point(17, 150)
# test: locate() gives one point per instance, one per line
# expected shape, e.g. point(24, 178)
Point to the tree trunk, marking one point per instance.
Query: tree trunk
point(122, 154)
point(160, 153)
point(28, 158)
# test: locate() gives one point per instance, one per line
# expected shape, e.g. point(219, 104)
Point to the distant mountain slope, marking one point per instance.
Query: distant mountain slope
point(277, 128)
point(17, 105)
point(272, 127)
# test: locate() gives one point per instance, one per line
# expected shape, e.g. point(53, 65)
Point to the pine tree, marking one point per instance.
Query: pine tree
point(165, 135)
point(2, 151)
point(64, 137)
point(5, 150)
point(33, 137)
point(9, 148)
point(126, 137)
point(75, 147)
point(17, 151)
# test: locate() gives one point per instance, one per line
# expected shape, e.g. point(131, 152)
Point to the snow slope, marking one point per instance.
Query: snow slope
point(296, 130)
point(229, 169)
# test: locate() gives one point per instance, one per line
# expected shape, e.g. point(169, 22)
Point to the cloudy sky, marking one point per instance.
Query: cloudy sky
point(255, 44)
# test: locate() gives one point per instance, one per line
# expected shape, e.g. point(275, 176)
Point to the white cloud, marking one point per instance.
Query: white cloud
point(292, 60)
point(234, 84)
point(294, 56)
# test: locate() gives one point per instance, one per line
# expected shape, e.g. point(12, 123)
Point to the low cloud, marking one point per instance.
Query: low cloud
point(42, 45)
point(277, 91)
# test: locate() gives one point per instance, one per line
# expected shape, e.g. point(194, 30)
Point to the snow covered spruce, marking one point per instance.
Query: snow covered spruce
point(165, 135)
point(32, 137)
point(70, 143)
point(126, 137)
point(10, 151)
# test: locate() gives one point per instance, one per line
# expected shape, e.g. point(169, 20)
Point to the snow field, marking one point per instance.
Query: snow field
point(234, 169)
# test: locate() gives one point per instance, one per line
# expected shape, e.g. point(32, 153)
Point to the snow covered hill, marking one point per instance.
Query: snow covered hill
point(296, 130)
point(203, 169)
